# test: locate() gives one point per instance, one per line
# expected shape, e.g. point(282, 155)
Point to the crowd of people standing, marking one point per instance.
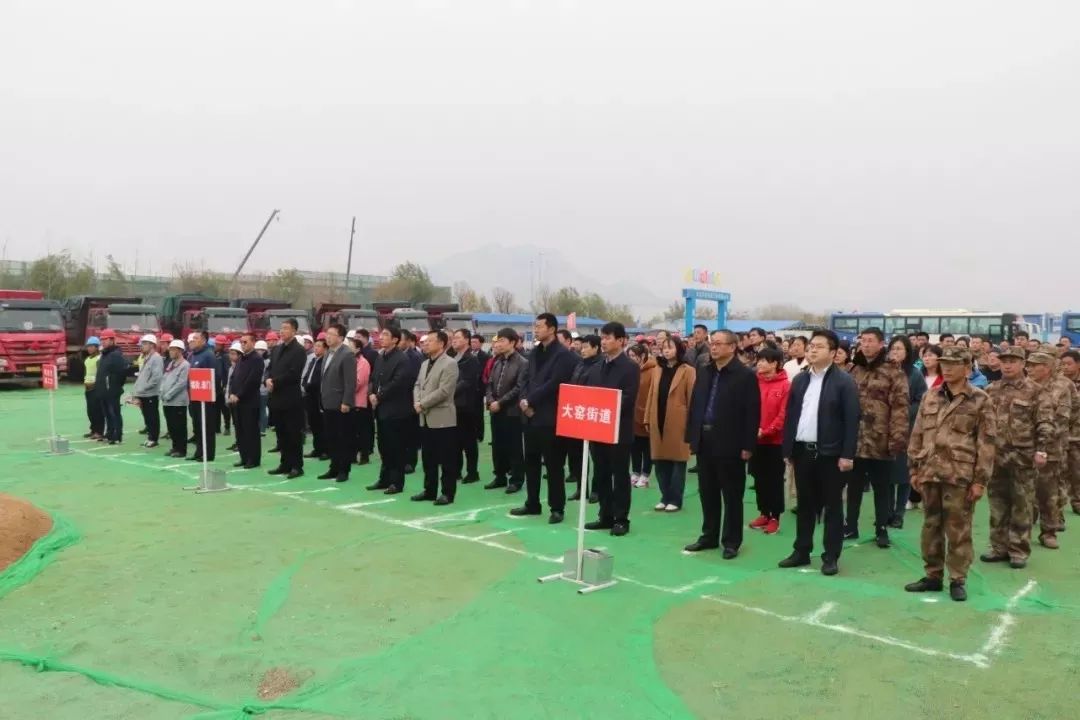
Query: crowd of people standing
point(916, 423)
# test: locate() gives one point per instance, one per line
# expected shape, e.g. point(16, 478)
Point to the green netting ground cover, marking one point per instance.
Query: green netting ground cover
point(149, 602)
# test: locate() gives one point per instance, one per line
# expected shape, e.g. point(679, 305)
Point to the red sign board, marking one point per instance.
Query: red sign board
point(48, 377)
point(571, 321)
point(589, 413)
point(201, 385)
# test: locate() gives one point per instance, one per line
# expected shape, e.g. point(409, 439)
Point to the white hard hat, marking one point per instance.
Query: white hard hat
point(350, 335)
point(149, 338)
point(176, 344)
point(307, 338)
point(261, 345)
point(191, 337)
point(236, 346)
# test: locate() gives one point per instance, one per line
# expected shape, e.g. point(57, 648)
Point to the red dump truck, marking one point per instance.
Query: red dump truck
point(31, 335)
point(183, 313)
point(265, 315)
point(85, 316)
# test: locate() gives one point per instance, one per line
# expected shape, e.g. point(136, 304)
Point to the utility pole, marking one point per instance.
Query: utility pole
point(251, 250)
point(348, 263)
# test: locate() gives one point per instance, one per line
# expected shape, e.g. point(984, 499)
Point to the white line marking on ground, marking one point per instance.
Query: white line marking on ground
point(460, 516)
point(259, 485)
point(305, 492)
point(100, 447)
point(999, 632)
point(495, 534)
point(980, 659)
point(354, 506)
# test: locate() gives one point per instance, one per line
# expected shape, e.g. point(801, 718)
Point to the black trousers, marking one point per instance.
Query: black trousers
point(613, 482)
point(95, 413)
point(340, 440)
point(879, 473)
point(767, 467)
point(114, 419)
point(196, 425)
point(573, 449)
point(465, 434)
point(176, 424)
point(478, 418)
point(223, 410)
point(439, 451)
point(641, 455)
point(313, 410)
point(721, 482)
point(151, 417)
point(543, 448)
point(819, 485)
point(248, 434)
point(365, 431)
point(411, 434)
point(289, 428)
point(392, 449)
point(506, 451)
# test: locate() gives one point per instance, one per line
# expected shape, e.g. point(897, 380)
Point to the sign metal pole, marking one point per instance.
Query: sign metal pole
point(205, 464)
point(583, 501)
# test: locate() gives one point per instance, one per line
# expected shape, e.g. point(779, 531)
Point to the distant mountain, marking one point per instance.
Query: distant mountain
point(522, 268)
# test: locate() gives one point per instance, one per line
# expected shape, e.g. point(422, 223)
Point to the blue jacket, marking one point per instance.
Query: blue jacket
point(112, 372)
point(977, 379)
point(838, 414)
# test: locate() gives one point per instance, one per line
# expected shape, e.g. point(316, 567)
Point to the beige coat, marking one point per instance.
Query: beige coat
point(434, 390)
point(672, 446)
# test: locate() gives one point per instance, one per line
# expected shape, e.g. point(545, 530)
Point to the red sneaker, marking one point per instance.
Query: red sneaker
point(772, 527)
point(759, 522)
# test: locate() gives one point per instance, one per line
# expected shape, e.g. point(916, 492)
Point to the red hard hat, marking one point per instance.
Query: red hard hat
point(272, 336)
point(639, 338)
point(322, 335)
point(165, 337)
point(108, 334)
point(220, 340)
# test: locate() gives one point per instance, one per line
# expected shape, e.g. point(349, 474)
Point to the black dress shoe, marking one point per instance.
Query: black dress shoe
point(693, 470)
point(195, 458)
point(330, 476)
point(274, 449)
point(957, 591)
point(524, 510)
point(619, 529)
point(293, 474)
point(421, 497)
point(897, 523)
point(794, 560)
point(599, 525)
point(593, 498)
point(251, 466)
point(511, 489)
point(364, 460)
point(829, 566)
point(470, 479)
point(341, 478)
point(730, 553)
point(392, 490)
point(410, 469)
point(277, 471)
point(925, 585)
point(324, 456)
point(698, 546)
point(555, 518)
point(495, 484)
point(238, 464)
point(443, 500)
point(143, 431)
point(882, 540)
point(377, 486)
point(311, 454)
point(851, 534)
point(575, 496)
point(233, 447)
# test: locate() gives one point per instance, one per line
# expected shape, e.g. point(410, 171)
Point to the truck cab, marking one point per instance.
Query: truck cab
point(439, 313)
point(216, 320)
point(265, 315)
point(411, 319)
point(385, 312)
point(31, 335)
point(87, 315)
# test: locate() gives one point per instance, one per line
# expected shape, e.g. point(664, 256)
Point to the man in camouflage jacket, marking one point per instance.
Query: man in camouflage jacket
point(883, 432)
point(1051, 477)
point(951, 458)
point(1070, 370)
point(1025, 433)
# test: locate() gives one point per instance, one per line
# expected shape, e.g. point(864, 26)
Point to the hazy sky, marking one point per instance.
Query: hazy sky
point(834, 154)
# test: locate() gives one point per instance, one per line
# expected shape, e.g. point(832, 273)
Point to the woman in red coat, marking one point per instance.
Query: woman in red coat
point(767, 462)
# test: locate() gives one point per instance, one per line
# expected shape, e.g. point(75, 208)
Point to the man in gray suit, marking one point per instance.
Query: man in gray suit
point(502, 402)
point(338, 395)
point(433, 400)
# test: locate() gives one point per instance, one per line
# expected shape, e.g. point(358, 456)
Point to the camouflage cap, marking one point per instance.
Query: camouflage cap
point(1041, 358)
point(1013, 352)
point(955, 355)
point(1050, 349)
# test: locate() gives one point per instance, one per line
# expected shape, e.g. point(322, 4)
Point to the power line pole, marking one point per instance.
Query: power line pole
point(348, 263)
point(251, 250)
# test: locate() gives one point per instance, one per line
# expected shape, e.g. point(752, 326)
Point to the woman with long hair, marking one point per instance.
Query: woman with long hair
point(901, 353)
point(842, 358)
point(640, 455)
point(931, 370)
point(666, 414)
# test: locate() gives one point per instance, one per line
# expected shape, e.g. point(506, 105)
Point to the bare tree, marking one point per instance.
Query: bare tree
point(502, 300)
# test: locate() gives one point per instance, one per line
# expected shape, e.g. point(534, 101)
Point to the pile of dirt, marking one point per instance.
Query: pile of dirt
point(278, 681)
point(21, 524)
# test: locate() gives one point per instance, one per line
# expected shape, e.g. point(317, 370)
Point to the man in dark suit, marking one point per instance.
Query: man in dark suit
point(722, 430)
point(502, 403)
point(245, 402)
point(366, 429)
point(821, 433)
point(391, 397)
point(287, 360)
point(311, 383)
point(202, 357)
point(337, 392)
point(550, 365)
point(415, 359)
point(483, 360)
point(619, 372)
point(467, 405)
